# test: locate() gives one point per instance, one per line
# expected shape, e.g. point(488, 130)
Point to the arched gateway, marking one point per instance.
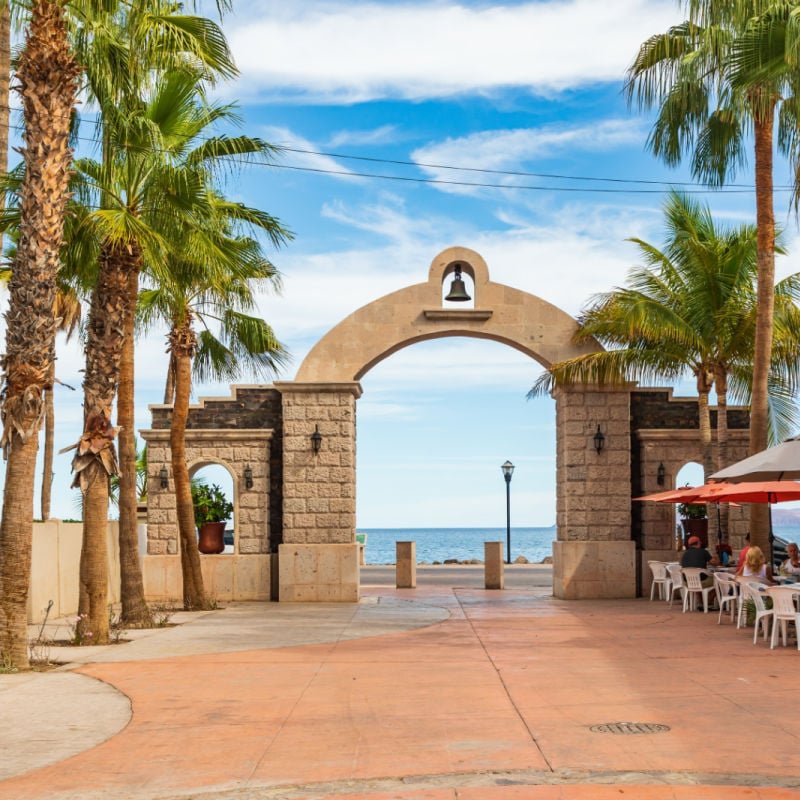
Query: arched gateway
point(294, 444)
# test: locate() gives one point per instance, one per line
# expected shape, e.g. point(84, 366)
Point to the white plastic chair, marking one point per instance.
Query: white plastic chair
point(727, 593)
point(694, 587)
point(660, 579)
point(783, 612)
point(751, 590)
point(675, 582)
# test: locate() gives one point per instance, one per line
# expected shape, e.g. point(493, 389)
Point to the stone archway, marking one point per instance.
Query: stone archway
point(296, 491)
point(594, 554)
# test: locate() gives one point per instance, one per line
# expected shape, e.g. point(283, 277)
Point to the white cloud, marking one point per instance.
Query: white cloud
point(303, 152)
point(354, 52)
point(511, 149)
point(385, 134)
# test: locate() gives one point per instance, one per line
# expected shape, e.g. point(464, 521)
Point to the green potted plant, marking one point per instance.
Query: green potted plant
point(694, 520)
point(211, 510)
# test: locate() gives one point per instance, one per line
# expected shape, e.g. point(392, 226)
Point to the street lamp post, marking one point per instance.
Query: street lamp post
point(508, 471)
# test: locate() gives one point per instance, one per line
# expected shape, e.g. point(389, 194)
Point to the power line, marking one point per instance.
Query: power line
point(702, 188)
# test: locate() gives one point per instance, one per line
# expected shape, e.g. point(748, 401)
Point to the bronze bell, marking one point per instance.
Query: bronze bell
point(458, 292)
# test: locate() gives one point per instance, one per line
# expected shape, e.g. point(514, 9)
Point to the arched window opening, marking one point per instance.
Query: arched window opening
point(217, 475)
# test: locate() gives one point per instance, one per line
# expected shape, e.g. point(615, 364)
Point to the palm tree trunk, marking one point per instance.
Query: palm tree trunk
point(721, 386)
point(95, 461)
point(182, 347)
point(47, 76)
point(704, 423)
point(5, 81)
point(169, 386)
point(765, 303)
point(134, 606)
point(49, 434)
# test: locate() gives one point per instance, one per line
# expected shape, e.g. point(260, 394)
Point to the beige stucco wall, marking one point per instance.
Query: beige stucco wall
point(55, 565)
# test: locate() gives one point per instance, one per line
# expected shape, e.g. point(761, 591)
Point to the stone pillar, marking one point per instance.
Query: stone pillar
point(319, 554)
point(594, 556)
point(494, 574)
point(406, 565)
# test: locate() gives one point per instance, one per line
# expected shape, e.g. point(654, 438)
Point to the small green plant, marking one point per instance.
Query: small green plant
point(210, 504)
point(116, 630)
point(161, 613)
point(7, 665)
point(39, 648)
point(692, 511)
point(78, 635)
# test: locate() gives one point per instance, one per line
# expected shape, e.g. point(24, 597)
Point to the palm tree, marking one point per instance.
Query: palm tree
point(159, 37)
point(48, 78)
point(692, 308)
point(729, 68)
point(138, 194)
point(216, 290)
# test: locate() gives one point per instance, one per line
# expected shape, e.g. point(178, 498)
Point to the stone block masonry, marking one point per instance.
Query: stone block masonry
point(319, 505)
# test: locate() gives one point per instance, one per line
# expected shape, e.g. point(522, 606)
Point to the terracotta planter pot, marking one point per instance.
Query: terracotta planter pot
point(212, 538)
point(695, 527)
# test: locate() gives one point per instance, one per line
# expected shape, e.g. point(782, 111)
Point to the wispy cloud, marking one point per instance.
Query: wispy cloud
point(303, 153)
point(516, 148)
point(385, 134)
point(354, 52)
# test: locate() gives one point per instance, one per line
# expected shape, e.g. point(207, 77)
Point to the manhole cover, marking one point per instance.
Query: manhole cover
point(629, 728)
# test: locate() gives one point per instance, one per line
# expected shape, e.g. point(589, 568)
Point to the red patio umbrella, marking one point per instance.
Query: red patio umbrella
point(753, 492)
point(749, 492)
point(685, 494)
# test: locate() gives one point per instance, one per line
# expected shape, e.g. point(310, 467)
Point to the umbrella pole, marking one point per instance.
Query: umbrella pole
point(771, 535)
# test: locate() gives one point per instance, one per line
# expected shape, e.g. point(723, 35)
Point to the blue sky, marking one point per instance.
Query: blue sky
point(522, 86)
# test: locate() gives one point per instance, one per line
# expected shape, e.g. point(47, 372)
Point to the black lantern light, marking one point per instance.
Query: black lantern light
point(316, 440)
point(599, 440)
point(458, 291)
point(661, 474)
point(248, 477)
point(163, 476)
point(508, 471)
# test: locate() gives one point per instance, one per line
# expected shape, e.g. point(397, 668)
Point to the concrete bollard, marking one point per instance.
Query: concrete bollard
point(406, 566)
point(493, 565)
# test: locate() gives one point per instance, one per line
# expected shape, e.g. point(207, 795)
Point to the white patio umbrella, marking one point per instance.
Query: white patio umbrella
point(779, 463)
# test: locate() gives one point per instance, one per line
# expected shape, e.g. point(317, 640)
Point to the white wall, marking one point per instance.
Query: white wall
point(55, 566)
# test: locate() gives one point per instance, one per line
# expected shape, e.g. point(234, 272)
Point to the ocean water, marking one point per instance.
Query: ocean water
point(437, 544)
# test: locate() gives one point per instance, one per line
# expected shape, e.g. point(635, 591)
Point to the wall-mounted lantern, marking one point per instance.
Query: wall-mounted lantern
point(316, 440)
point(163, 476)
point(599, 440)
point(661, 474)
point(248, 477)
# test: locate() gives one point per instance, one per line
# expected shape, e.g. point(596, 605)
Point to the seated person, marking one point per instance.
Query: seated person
point(792, 564)
point(755, 566)
point(743, 555)
point(724, 553)
point(699, 557)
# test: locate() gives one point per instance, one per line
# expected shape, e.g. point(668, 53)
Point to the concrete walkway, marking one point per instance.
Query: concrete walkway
point(429, 693)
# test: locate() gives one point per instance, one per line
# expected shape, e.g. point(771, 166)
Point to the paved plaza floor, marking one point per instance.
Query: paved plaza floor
point(423, 694)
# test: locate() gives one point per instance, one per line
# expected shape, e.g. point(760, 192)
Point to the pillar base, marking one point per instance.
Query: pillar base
point(594, 570)
point(225, 577)
point(318, 573)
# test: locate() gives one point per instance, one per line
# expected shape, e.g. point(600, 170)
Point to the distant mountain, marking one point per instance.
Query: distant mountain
point(785, 517)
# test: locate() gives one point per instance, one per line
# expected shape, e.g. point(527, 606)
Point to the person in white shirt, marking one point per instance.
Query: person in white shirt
point(792, 564)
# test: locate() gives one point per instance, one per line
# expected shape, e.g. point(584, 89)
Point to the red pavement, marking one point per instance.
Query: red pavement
point(505, 692)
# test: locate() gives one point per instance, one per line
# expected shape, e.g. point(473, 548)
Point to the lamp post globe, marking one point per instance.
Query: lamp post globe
point(508, 471)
